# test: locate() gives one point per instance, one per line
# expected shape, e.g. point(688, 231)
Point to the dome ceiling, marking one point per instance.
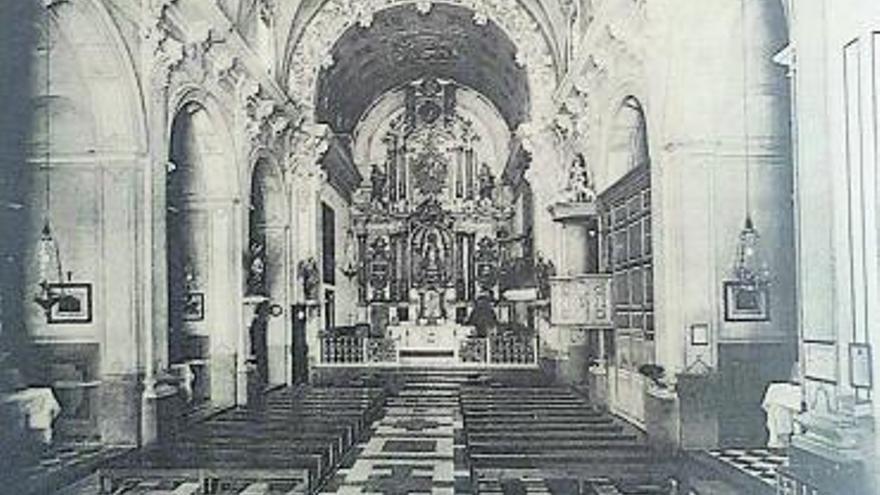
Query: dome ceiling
point(402, 45)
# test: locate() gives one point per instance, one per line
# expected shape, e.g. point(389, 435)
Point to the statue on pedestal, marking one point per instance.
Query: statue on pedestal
point(487, 183)
point(379, 183)
point(580, 187)
point(256, 280)
point(544, 269)
point(432, 263)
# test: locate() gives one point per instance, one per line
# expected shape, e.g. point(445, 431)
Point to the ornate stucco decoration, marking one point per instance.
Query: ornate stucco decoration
point(161, 52)
point(314, 50)
point(307, 145)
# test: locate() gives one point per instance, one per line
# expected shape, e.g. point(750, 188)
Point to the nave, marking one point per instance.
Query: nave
point(509, 246)
point(424, 431)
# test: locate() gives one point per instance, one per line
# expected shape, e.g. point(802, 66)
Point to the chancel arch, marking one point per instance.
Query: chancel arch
point(626, 145)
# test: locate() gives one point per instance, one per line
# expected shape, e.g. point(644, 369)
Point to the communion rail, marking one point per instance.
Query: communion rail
point(496, 351)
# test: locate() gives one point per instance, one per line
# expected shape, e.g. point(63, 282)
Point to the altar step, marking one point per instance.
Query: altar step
point(551, 440)
point(291, 445)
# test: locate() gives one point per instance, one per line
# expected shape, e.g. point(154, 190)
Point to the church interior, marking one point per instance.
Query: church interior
point(440, 247)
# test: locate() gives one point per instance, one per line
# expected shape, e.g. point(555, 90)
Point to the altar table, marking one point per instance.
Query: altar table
point(33, 409)
point(429, 343)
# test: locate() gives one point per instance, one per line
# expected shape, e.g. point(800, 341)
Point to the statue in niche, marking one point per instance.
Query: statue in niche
point(256, 280)
point(432, 305)
point(580, 187)
point(379, 183)
point(431, 263)
point(487, 183)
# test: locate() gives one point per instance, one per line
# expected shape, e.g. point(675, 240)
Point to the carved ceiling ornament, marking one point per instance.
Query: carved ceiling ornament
point(314, 50)
point(162, 53)
point(307, 145)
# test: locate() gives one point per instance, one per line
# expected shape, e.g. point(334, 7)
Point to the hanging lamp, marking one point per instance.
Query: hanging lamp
point(48, 253)
point(748, 268)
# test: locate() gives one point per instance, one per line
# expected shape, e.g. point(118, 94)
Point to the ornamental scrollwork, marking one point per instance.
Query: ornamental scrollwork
point(307, 145)
point(314, 51)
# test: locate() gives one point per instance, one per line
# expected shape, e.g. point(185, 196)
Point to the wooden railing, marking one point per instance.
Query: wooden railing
point(512, 349)
point(343, 349)
point(493, 351)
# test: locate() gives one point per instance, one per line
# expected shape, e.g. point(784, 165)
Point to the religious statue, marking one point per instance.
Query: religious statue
point(431, 264)
point(256, 279)
point(432, 306)
point(379, 182)
point(544, 269)
point(487, 182)
point(310, 276)
point(580, 187)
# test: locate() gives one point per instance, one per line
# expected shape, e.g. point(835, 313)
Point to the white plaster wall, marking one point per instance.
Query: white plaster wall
point(345, 290)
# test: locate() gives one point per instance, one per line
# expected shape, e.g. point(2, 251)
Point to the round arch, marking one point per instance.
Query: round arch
point(215, 119)
point(203, 244)
point(626, 140)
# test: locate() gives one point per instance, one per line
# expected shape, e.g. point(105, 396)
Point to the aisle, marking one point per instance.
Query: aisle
point(418, 447)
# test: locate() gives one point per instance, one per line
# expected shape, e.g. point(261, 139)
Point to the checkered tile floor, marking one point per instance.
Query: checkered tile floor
point(757, 463)
point(417, 448)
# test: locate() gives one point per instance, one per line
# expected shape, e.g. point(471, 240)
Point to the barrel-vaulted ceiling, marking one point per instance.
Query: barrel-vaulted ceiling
point(403, 44)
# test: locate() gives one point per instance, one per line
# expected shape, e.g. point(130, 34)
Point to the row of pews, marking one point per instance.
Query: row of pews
point(550, 440)
point(290, 446)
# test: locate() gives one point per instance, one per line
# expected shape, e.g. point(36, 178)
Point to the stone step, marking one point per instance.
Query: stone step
point(537, 403)
point(471, 391)
point(476, 437)
point(255, 489)
point(557, 447)
point(189, 488)
point(611, 464)
point(528, 429)
point(535, 414)
point(537, 424)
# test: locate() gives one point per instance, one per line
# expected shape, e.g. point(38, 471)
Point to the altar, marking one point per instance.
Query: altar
point(429, 344)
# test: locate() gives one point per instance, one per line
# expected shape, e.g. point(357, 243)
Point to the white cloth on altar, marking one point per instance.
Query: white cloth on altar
point(782, 401)
point(35, 409)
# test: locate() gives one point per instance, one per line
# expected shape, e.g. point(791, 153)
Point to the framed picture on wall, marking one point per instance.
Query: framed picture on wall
point(746, 302)
point(74, 305)
point(194, 307)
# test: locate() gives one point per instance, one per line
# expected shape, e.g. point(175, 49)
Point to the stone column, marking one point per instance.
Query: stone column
point(115, 295)
point(227, 361)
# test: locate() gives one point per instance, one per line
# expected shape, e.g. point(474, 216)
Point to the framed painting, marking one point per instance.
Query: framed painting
point(194, 307)
point(74, 305)
point(746, 302)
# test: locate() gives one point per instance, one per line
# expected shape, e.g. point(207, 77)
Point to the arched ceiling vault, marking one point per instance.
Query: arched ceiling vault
point(293, 18)
point(403, 44)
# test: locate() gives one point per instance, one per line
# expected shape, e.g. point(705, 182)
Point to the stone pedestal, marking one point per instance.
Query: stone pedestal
point(163, 406)
point(829, 456)
point(662, 417)
point(697, 411)
point(120, 412)
point(573, 299)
